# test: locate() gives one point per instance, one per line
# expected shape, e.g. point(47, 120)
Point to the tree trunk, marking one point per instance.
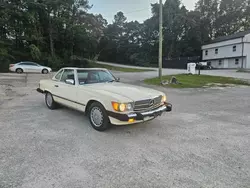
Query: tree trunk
point(170, 52)
point(51, 41)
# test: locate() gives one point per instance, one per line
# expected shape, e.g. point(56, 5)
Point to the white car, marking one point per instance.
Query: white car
point(29, 67)
point(102, 97)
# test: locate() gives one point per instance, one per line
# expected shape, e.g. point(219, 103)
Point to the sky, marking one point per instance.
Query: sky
point(138, 10)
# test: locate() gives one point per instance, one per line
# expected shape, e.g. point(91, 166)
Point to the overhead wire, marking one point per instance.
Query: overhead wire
point(140, 10)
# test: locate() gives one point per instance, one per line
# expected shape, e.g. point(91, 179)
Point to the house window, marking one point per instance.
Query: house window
point(220, 62)
point(236, 61)
point(234, 48)
point(206, 52)
point(216, 51)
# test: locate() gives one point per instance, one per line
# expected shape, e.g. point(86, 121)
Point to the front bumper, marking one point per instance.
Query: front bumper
point(137, 117)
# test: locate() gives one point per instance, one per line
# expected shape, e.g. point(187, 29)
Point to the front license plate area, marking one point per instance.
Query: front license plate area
point(157, 114)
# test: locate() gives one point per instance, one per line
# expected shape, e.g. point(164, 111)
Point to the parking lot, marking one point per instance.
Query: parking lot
point(203, 143)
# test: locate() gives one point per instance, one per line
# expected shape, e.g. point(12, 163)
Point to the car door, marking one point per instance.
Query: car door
point(63, 92)
point(24, 66)
point(83, 95)
point(27, 67)
point(33, 67)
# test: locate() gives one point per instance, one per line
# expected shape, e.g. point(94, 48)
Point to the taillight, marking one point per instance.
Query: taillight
point(11, 65)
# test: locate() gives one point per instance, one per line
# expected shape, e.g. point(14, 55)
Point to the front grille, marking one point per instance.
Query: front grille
point(148, 104)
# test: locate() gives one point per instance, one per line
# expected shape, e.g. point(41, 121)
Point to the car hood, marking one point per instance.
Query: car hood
point(131, 92)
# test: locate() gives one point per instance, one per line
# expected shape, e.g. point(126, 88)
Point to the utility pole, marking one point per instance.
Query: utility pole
point(160, 42)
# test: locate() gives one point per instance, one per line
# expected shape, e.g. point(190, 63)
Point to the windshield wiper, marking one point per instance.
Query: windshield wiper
point(111, 81)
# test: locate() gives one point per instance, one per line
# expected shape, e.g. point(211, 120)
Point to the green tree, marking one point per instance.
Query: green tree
point(54, 32)
point(230, 17)
point(208, 10)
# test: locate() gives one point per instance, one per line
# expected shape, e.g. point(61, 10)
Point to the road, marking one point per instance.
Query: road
point(144, 75)
point(204, 142)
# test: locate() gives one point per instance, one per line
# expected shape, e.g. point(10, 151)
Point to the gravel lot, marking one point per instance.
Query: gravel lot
point(203, 143)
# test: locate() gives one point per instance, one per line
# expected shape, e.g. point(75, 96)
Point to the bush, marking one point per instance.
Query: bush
point(35, 52)
point(4, 64)
point(76, 61)
point(54, 62)
point(5, 60)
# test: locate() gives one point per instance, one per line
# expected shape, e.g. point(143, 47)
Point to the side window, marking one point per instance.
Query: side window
point(104, 76)
point(82, 77)
point(93, 77)
point(32, 64)
point(23, 64)
point(68, 74)
point(234, 48)
point(58, 76)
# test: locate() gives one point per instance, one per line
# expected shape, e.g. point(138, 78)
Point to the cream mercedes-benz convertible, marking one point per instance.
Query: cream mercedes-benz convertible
point(102, 97)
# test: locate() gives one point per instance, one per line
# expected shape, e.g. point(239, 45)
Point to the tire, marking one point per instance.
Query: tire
point(45, 71)
point(49, 101)
point(19, 71)
point(98, 117)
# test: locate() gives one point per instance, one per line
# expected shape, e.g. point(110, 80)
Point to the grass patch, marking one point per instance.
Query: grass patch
point(198, 81)
point(114, 68)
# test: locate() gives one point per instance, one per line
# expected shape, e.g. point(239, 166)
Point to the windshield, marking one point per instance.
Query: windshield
point(94, 76)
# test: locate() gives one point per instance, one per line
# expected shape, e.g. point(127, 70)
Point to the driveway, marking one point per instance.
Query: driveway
point(131, 77)
point(204, 142)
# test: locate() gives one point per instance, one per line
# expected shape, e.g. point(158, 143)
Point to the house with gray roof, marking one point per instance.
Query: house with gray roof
point(231, 51)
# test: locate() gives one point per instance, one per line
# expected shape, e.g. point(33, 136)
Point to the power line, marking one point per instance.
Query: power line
point(136, 11)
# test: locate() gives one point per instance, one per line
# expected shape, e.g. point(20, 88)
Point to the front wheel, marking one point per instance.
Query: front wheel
point(45, 71)
point(98, 117)
point(49, 100)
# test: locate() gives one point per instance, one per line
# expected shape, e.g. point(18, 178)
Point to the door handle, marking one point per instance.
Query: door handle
point(56, 86)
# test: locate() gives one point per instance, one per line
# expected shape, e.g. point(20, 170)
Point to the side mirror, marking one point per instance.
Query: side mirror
point(70, 81)
point(118, 79)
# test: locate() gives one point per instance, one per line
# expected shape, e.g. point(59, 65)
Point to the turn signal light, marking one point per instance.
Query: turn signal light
point(131, 120)
point(11, 65)
point(164, 99)
point(115, 106)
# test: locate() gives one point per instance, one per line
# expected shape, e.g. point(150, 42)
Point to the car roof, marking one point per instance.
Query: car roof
point(26, 62)
point(75, 68)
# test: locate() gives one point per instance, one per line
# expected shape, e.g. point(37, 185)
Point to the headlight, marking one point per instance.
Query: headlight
point(129, 106)
point(122, 107)
point(164, 99)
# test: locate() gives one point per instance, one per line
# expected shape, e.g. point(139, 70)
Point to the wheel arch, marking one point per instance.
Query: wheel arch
point(45, 69)
point(47, 91)
point(90, 102)
point(19, 68)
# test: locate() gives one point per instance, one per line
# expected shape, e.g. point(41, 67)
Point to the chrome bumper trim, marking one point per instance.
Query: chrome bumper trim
point(161, 109)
